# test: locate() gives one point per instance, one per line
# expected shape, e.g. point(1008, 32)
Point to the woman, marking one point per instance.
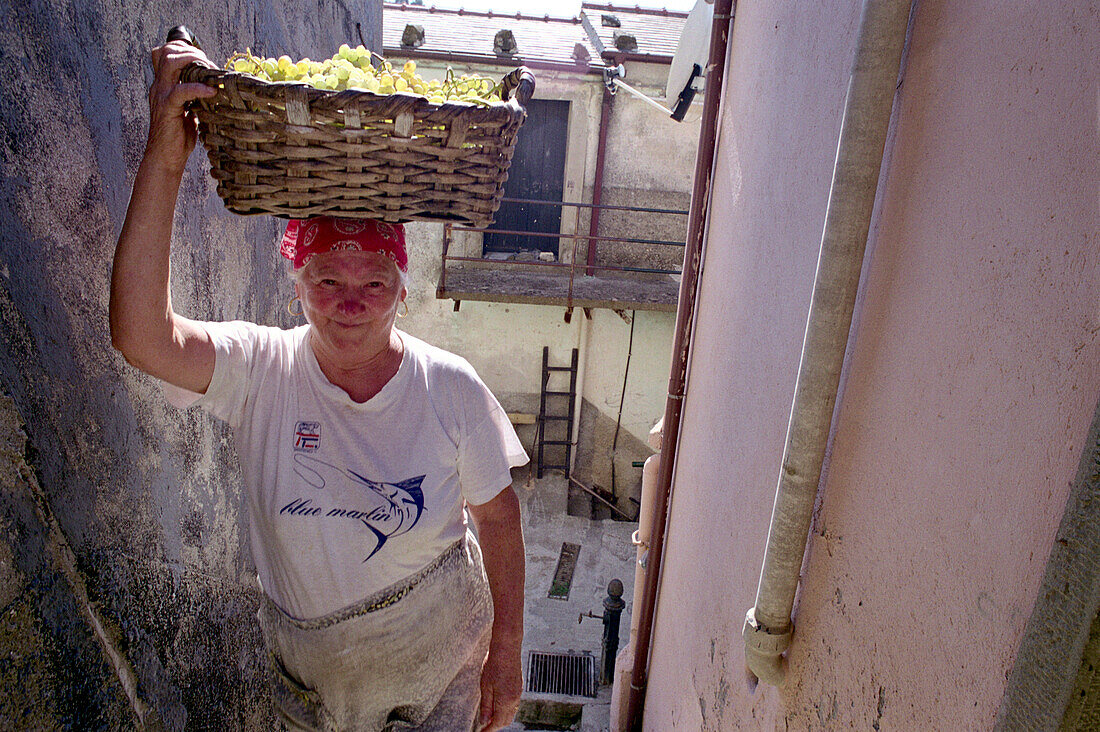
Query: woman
point(360, 446)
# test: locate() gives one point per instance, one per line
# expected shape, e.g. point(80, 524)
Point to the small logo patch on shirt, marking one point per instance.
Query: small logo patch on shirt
point(307, 436)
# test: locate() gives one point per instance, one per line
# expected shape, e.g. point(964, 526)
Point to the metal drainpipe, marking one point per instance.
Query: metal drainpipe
point(871, 89)
point(597, 183)
point(685, 315)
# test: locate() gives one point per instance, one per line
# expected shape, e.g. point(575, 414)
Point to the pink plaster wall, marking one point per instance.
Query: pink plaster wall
point(972, 377)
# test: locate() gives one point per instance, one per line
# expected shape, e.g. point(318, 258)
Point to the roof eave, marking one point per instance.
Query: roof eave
point(617, 57)
point(494, 60)
point(634, 10)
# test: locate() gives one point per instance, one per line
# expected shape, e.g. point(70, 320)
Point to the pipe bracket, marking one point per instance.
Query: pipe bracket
point(764, 651)
point(763, 640)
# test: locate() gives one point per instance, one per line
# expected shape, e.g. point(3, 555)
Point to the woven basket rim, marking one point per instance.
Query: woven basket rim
point(364, 99)
point(308, 127)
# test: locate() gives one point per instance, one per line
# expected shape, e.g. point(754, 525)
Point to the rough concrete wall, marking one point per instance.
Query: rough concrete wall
point(644, 225)
point(145, 496)
point(1083, 709)
point(52, 668)
point(970, 384)
point(650, 164)
point(642, 365)
point(598, 449)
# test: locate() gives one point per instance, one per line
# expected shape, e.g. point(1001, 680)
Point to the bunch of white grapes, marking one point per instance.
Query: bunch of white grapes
point(352, 68)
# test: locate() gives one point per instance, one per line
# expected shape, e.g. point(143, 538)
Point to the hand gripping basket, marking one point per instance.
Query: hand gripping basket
point(290, 150)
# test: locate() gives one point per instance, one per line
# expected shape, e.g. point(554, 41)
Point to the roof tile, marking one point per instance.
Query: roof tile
point(657, 31)
point(465, 32)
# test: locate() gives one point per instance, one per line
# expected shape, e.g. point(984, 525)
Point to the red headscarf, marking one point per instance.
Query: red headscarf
point(306, 237)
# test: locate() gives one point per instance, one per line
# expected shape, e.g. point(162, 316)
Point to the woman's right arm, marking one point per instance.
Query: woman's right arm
point(144, 327)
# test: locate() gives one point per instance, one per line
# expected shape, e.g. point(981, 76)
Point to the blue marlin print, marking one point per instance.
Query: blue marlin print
point(397, 513)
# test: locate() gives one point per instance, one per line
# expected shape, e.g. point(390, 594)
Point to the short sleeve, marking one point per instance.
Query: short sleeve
point(234, 346)
point(488, 447)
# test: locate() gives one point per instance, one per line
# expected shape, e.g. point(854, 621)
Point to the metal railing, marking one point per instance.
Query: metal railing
point(589, 267)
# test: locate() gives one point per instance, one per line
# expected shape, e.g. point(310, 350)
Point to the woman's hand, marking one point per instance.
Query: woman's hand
point(501, 537)
point(501, 686)
point(172, 129)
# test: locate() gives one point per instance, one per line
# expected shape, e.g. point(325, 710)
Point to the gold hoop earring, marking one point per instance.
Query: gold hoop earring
point(290, 306)
point(403, 314)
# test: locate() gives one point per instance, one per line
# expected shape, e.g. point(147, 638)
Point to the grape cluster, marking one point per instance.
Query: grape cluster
point(353, 68)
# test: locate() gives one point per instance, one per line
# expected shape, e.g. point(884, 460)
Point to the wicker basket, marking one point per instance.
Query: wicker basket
point(291, 150)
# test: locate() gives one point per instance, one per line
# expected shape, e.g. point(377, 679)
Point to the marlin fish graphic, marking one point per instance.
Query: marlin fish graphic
point(397, 513)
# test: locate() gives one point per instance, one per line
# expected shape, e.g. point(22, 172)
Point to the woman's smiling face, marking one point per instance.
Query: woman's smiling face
point(350, 297)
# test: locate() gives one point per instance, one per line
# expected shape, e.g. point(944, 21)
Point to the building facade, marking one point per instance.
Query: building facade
point(586, 141)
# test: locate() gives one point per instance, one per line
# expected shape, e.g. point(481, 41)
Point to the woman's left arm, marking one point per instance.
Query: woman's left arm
point(501, 538)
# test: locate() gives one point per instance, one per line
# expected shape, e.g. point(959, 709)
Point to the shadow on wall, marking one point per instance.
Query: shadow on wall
point(595, 438)
point(144, 496)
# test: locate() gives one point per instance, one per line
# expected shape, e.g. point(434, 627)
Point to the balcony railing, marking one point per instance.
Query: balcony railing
point(586, 284)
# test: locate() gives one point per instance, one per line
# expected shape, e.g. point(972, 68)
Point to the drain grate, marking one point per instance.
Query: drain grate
point(561, 673)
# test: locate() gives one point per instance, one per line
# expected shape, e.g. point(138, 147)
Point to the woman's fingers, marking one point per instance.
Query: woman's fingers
point(169, 60)
point(174, 55)
point(172, 128)
point(183, 93)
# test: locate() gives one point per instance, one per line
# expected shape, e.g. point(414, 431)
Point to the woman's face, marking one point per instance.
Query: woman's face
point(350, 297)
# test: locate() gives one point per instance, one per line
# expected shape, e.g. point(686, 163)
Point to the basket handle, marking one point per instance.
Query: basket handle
point(522, 81)
point(183, 33)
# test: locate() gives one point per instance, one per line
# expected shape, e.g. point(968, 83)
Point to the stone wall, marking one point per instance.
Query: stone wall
point(143, 497)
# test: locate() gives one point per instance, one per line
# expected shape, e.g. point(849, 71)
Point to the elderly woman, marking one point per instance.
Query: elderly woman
point(362, 450)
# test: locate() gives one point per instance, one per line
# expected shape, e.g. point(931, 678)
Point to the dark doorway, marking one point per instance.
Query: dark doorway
point(537, 173)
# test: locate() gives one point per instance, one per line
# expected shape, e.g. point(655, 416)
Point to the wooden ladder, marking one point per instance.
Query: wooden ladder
point(553, 414)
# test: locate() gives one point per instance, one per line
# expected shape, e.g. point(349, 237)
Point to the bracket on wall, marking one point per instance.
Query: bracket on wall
point(611, 74)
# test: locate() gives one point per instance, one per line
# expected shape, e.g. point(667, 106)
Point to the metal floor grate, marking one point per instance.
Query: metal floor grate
point(561, 673)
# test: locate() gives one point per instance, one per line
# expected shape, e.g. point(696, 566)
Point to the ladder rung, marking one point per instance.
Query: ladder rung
point(557, 442)
point(547, 416)
point(559, 368)
point(558, 393)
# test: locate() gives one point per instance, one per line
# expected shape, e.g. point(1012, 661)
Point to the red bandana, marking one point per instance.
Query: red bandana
point(306, 237)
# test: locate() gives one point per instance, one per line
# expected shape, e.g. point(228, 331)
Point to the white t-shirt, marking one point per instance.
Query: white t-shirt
point(346, 498)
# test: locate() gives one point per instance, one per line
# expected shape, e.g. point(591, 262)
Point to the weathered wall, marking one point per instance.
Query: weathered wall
point(145, 496)
point(650, 164)
point(52, 671)
point(971, 382)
